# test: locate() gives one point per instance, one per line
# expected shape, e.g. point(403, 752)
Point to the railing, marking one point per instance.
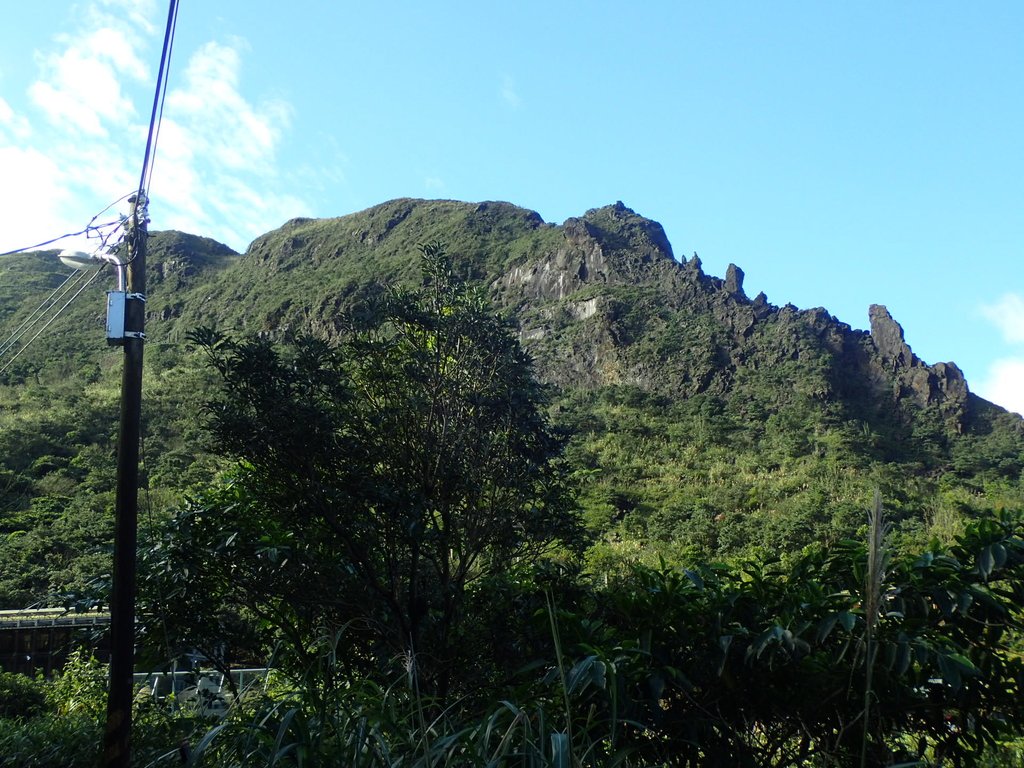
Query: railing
point(51, 617)
point(207, 691)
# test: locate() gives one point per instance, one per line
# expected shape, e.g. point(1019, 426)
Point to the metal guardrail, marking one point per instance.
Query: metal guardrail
point(205, 691)
point(51, 618)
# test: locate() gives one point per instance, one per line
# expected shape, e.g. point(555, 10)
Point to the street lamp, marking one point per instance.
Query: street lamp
point(83, 260)
point(115, 299)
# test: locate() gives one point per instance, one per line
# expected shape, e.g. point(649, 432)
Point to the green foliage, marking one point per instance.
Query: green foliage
point(20, 696)
point(785, 646)
point(760, 664)
point(368, 724)
point(703, 425)
point(44, 742)
point(378, 478)
point(710, 477)
point(394, 481)
point(80, 688)
point(60, 722)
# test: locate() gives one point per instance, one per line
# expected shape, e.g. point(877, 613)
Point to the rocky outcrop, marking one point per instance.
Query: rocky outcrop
point(557, 275)
point(887, 336)
point(610, 245)
point(941, 385)
point(734, 281)
point(601, 299)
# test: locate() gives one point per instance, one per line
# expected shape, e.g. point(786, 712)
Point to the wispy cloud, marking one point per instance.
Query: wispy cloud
point(81, 89)
point(78, 143)
point(509, 93)
point(15, 125)
point(1007, 314)
point(1004, 384)
point(1004, 381)
point(221, 150)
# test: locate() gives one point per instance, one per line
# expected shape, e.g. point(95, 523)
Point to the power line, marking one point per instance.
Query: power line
point(89, 228)
point(152, 138)
point(172, 23)
point(156, 116)
point(48, 303)
point(50, 321)
point(107, 230)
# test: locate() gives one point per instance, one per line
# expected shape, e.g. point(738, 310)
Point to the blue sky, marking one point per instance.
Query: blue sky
point(842, 154)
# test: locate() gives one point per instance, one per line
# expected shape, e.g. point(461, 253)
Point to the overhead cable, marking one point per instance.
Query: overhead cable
point(161, 94)
point(90, 227)
point(50, 321)
point(156, 116)
point(142, 193)
point(48, 303)
point(86, 231)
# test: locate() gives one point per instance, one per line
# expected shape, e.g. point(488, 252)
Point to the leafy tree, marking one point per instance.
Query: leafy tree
point(766, 663)
point(378, 477)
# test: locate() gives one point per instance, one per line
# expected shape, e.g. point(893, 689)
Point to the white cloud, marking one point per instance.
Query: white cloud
point(79, 143)
point(509, 93)
point(219, 151)
point(1008, 316)
point(1004, 384)
point(1004, 381)
point(138, 12)
point(13, 124)
point(434, 183)
point(81, 86)
point(233, 133)
point(39, 193)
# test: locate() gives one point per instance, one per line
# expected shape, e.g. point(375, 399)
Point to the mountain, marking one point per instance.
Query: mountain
point(700, 422)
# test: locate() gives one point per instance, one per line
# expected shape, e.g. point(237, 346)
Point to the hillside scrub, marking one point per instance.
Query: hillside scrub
point(377, 479)
point(449, 563)
point(700, 424)
point(758, 663)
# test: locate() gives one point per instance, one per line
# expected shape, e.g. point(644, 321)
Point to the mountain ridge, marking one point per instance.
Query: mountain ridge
point(610, 245)
point(701, 422)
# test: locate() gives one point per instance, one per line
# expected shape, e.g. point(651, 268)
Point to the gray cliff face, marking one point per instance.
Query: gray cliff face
point(941, 385)
point(734, 281)
point(557, 275)
point(594, 253)
point(611, 305)
point(887, 335)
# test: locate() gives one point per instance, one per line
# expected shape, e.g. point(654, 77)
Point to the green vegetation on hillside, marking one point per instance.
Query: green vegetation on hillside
point(372, 488)
point(699, 424)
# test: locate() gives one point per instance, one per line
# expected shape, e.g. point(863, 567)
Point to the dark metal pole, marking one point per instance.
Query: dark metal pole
point(117, 741)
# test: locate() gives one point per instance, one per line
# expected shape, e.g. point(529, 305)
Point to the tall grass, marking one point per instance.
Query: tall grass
point(564, 717)
point(874, 580)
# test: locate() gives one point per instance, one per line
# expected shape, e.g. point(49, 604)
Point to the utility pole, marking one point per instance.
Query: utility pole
point(117, 740)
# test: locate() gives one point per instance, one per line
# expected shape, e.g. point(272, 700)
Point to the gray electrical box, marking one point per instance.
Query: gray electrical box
point(115, 317)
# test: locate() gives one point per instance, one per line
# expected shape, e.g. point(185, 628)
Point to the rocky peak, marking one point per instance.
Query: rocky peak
point(887, 335)
point(606, 245)
point(942, 385)
point(179, 256)
point(734, 281)
point(621, 228)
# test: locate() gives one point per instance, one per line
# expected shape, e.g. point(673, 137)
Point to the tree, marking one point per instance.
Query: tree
point(766, 663)
point(378, 475)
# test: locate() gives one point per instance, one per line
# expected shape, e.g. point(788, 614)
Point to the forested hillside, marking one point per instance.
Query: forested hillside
point(483, 490)
point(700, 422)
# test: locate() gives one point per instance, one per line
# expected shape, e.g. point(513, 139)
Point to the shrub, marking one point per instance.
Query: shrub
point(20, 696)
